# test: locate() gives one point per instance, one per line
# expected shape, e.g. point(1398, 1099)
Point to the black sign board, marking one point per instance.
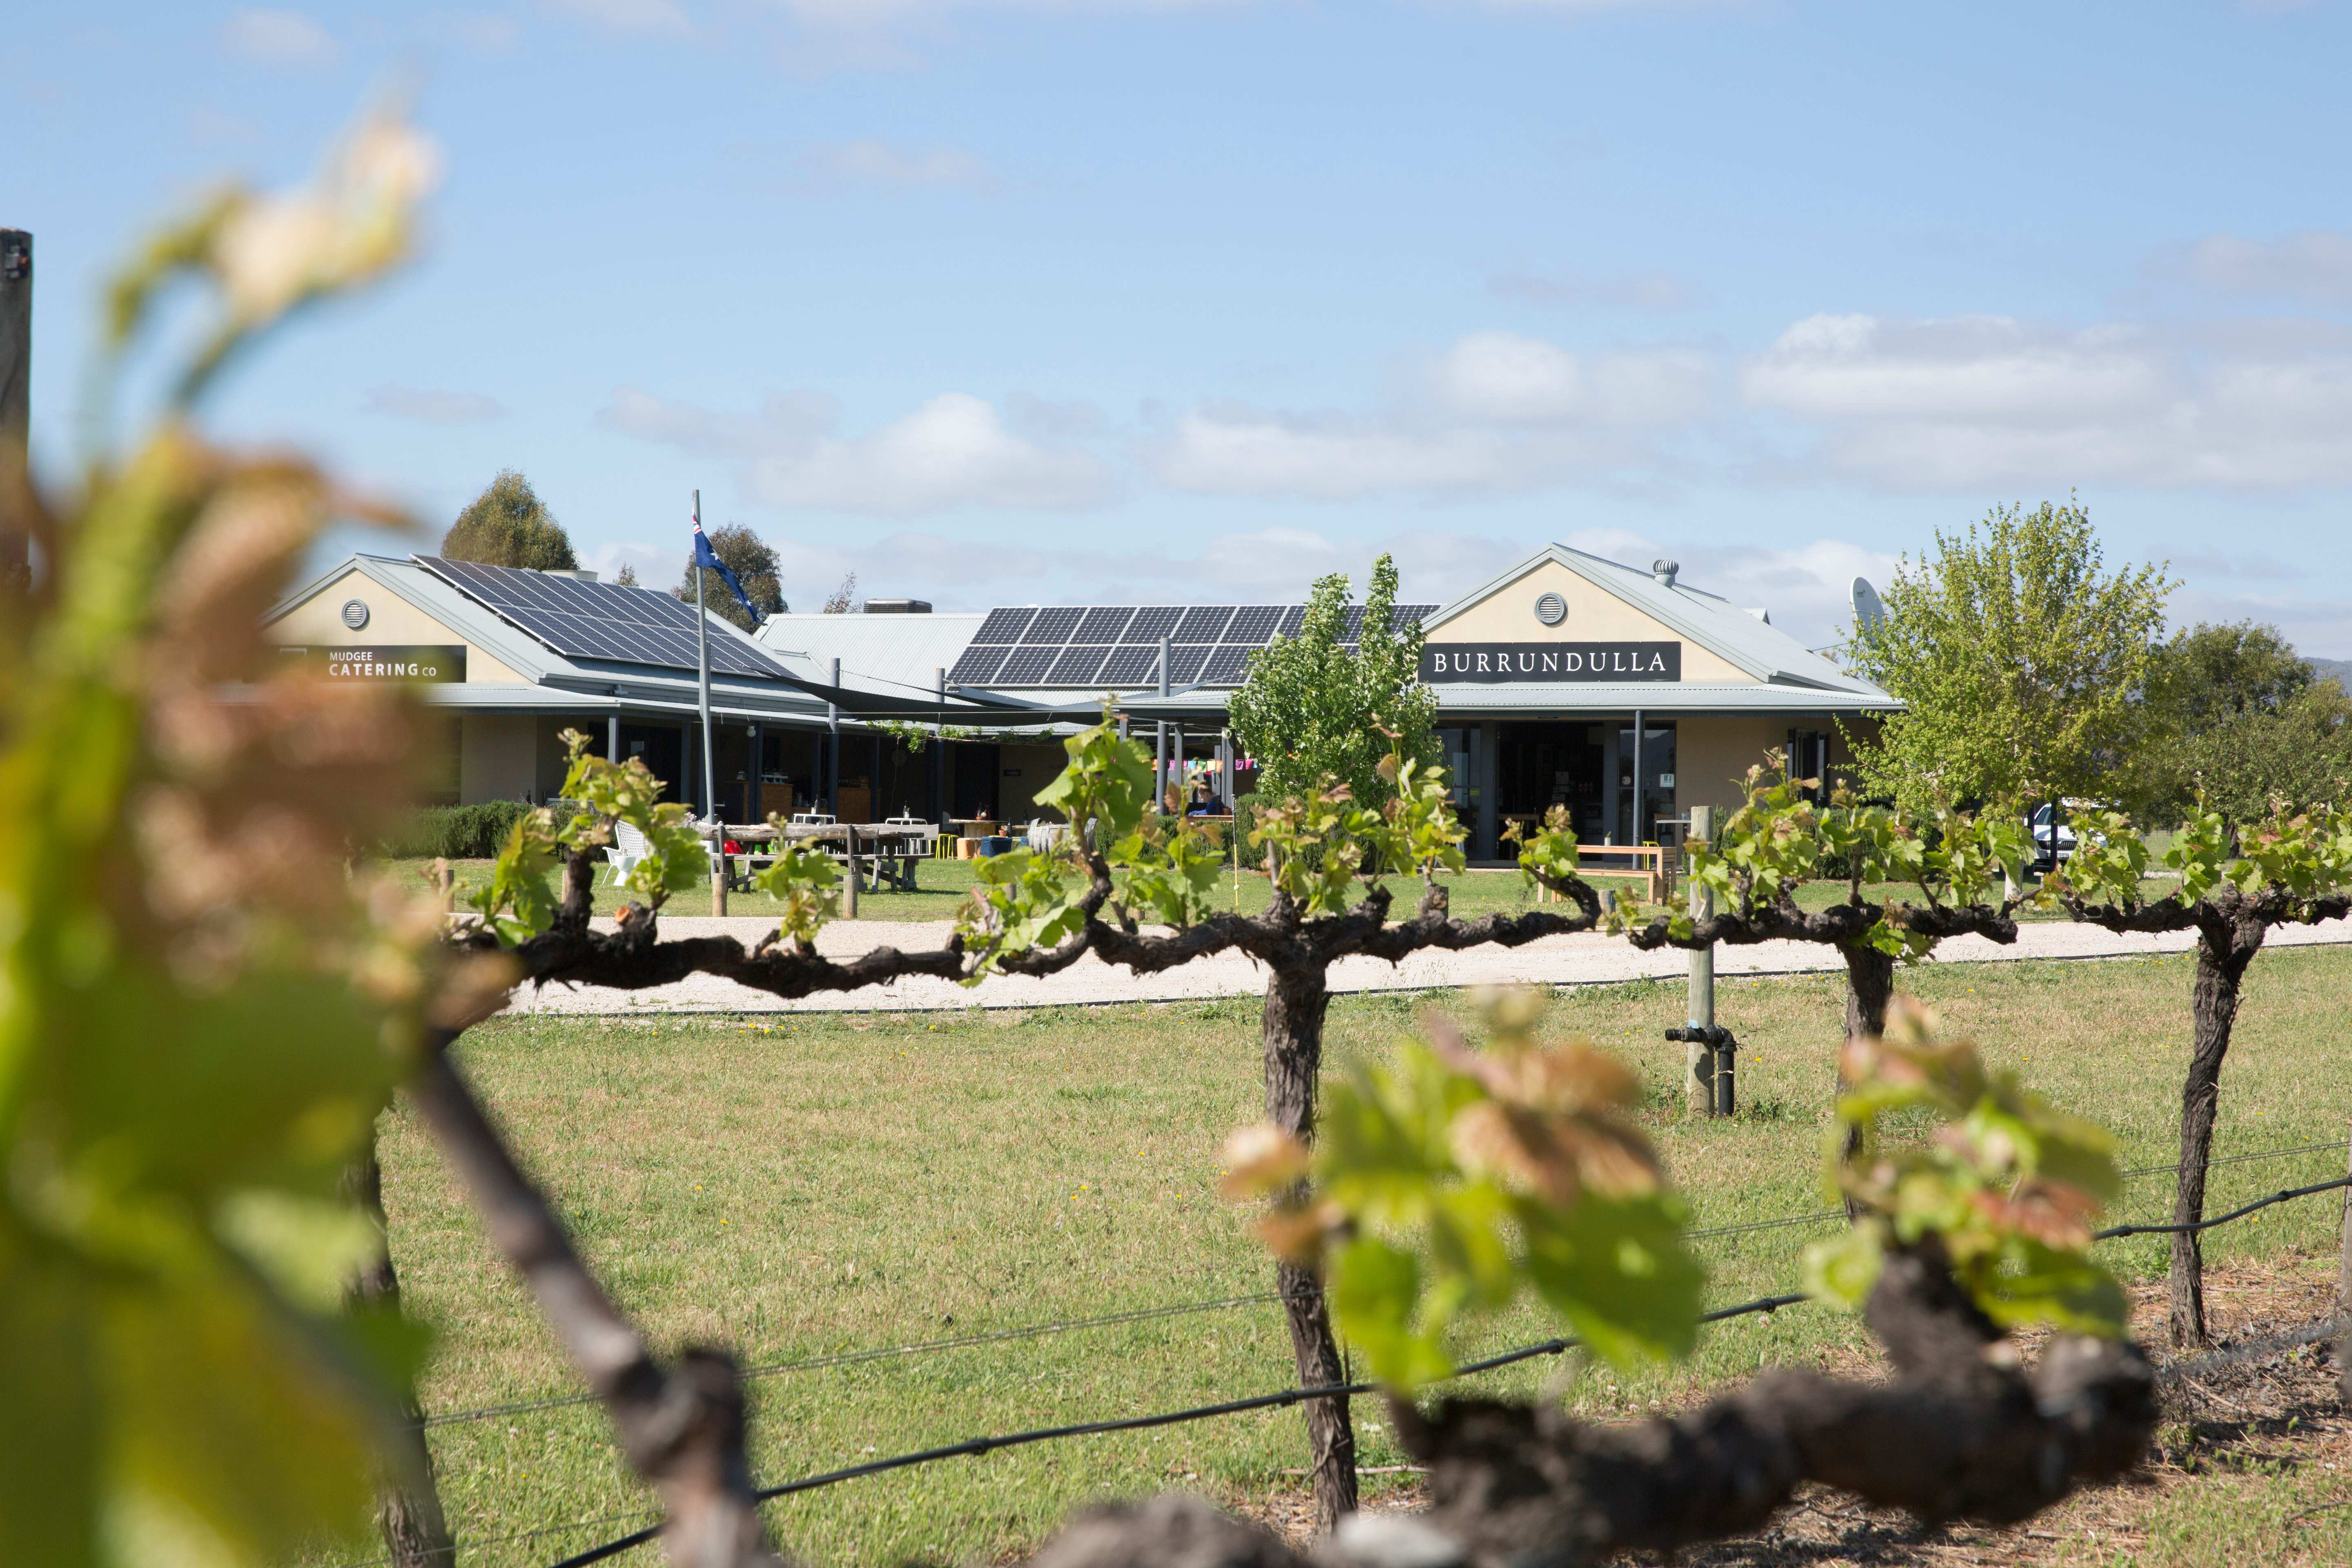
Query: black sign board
point(1491, 663)
point(385, 661)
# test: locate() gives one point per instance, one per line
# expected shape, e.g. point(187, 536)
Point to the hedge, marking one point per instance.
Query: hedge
point(460, 832)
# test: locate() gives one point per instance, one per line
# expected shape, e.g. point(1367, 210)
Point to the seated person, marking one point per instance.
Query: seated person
point(1203, 804)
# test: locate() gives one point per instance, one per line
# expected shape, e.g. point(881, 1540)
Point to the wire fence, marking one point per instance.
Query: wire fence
point(1553, 1347)
point(1287, 1396)
point(1262, 1298)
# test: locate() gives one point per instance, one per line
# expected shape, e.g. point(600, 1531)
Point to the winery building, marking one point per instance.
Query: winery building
point(1623, 694)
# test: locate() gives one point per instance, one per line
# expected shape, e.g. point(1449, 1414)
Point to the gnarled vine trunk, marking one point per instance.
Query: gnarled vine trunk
point(1869, 988)
point(407, 1504)
point(1296, 1002)
point(2225, 946)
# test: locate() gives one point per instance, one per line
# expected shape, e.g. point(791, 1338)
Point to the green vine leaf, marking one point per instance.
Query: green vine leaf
point(1450, 1180)
point(2008, 1185)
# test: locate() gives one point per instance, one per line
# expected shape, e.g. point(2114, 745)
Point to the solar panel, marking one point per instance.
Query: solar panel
point(1153, 622)
point(1054, 626)
point(1227, 665)
point(1252, 623)
point(1003, 626)
point(1132, 669)
point(598, 620)
point(978, 667)
point(1117, 645)
point(1203, 623)
point(1027, 665)
point(1078, 664)
point(1103, 624)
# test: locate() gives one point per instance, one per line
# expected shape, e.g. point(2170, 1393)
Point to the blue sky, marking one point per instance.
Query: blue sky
point(996, 300)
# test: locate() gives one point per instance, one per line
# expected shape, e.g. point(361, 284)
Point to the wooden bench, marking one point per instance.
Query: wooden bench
point(1649, 861)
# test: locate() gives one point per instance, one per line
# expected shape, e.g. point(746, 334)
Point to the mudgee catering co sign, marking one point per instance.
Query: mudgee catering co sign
point(1495, 662)
point(384, 661)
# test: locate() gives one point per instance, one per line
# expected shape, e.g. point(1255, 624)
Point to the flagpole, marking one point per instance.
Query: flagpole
point(702, 661)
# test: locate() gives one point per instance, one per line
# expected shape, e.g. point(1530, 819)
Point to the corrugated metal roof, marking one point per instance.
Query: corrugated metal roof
point(1715, 623)
point(556, 680)
point(894, 656)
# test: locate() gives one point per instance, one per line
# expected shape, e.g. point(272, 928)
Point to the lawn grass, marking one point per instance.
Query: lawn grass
point(799, 1187)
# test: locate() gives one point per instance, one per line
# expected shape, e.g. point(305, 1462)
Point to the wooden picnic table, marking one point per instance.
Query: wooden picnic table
point(892, 848)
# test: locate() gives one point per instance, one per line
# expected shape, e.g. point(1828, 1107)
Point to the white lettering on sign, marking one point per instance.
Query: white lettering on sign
point(1495, 662)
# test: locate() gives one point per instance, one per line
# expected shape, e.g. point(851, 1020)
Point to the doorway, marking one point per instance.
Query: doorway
point(1538, 766)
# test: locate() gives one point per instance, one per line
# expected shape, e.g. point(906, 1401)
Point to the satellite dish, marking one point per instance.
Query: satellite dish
point(1869, 609)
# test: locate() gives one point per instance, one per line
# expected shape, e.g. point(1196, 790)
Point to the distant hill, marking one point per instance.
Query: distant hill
point(2341, 669)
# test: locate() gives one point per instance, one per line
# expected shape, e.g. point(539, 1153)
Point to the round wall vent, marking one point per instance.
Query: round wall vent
point(1551, 609)
point(355, 613)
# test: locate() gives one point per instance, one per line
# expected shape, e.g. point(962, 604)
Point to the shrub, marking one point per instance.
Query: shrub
point(473, 832)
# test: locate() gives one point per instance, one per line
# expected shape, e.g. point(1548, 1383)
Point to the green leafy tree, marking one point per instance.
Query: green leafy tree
point(2017, 656)
point(2239, 721)
point(754, 566)
point(1315, 708)
point(508, 525)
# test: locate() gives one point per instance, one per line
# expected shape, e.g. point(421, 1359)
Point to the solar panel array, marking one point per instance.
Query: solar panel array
point(598, 620)
point(1116, 647)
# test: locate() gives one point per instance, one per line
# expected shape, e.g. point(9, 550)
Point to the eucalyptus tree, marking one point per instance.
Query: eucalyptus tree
point(2287, 871)
point(508, 525)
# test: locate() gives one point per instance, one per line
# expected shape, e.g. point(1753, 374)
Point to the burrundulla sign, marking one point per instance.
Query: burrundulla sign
point(1551, 661)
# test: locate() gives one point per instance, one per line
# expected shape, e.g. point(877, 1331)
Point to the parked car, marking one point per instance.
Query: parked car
point(2052, 844)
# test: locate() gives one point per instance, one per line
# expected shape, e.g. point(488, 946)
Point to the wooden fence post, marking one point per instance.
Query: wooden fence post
point(1699, 1059)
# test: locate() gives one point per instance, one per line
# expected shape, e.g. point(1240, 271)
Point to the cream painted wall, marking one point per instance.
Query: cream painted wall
point(499, 756)
point(1594, 614)
point(1712, 756)
point(317, 622)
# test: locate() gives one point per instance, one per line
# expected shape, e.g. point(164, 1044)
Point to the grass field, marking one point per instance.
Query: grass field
point(837, 1183)
point(943, 885)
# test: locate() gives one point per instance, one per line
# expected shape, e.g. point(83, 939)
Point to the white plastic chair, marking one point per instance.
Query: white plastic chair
point(628, 847)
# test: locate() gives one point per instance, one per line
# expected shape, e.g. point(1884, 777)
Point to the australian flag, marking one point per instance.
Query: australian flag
point(707, 557)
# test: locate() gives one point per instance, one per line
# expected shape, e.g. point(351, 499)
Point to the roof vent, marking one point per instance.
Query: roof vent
point(1665, 570)
point(897, 606)
point(579, 573)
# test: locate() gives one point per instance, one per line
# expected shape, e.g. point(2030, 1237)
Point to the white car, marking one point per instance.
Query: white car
point(2052, 848)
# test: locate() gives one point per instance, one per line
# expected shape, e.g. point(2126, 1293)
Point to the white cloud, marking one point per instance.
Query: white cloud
point(643, 17)
point(955, 451)
point(656, 568)
point(288, 38)
point(2314, 268)
point(1494, 413)
point(1226, 451)
point(876, 163)
point(1508, 379)
point(1987, 401)
point(433, 407)
point(1619, 290)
